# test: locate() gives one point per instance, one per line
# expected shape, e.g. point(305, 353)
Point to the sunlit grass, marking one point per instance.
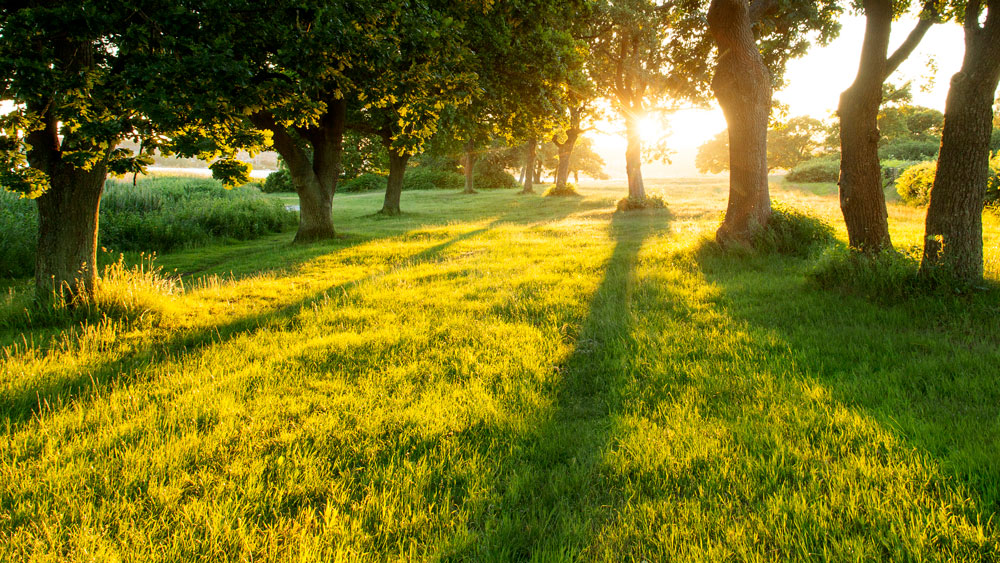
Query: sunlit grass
point(506, 377)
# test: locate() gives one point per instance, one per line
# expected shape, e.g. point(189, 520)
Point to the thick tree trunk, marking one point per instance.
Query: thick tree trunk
point(315, 180)
point(538, 172)
point(66, 261)
point(529, 184)
point(633, 157)
point(862, 200)
point(469, 167)
point(565, 152)
point(742, 84)
point(954, 228)
point(394, 188)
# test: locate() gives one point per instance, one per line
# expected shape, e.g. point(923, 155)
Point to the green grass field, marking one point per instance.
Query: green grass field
point(503, 377)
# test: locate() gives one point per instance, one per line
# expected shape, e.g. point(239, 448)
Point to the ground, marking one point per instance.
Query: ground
point(497, 377)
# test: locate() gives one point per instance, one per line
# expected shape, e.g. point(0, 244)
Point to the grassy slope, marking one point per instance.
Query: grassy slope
point(499, 377)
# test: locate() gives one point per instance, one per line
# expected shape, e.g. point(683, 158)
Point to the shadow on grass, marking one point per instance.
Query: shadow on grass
point(550, 496)
point(18, 406)
point(924, 367)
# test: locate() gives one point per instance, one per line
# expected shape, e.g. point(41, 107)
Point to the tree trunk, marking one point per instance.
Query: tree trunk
point(633, 157)
point(538, 171)
point(469, 167)
point(66, 260)
point(862, 200)
point(954, 227)
point(576, 177)
point(742, 84)
point(394, 188)
point(529, 187)
point(524, 175)
point(565, 152)
point(315, 180)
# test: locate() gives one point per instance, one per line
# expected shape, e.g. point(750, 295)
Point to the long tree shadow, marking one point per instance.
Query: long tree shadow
point(549, 490)
point(925, 368)
point(20, 405)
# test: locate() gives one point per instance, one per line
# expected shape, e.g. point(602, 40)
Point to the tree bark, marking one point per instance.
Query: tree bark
point(633, 156)
point(529, 187)
point(954, 228)
point(469, 166)
point(862, 199)
point(316, 180)
point(68, 212)
point(565, 152)
point(742, 84)
point(394, 188)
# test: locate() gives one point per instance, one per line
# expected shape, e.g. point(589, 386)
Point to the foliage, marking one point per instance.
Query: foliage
point(491, 176)
point(432, 178)
point(909, 149)
point(367, 182)
point(561, 191)
point(816, 170)
point(993, 183)
point(279, 181)
point(915, 183)
point(793, 232)
point(18, 235)
point(651, 201)
point(788, 144)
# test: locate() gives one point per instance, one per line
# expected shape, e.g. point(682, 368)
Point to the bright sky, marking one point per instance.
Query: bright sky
point(814, 86)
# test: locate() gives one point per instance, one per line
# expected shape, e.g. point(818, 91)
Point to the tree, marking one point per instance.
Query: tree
point(79, 81)
point(648, 53)
point(788, 144)
point(954, 229)
point(402, 100)
point(861, 198)
point(584, 160)
point(755, 40)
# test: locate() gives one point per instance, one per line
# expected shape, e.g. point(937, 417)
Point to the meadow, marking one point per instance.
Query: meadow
point(504, 377)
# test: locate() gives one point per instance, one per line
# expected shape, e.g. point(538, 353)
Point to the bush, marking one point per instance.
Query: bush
point(490, 176)
point(651, 201)
point(993, 183)
point(367, 182)
point(914, 184)
point(567, 190)
point(18, 232)
point(815, 170)
point(279, 181)
point(909, 149)
point(430, 178)
point(793, 232)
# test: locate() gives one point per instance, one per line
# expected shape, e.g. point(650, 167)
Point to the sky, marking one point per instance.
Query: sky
point(814, 84)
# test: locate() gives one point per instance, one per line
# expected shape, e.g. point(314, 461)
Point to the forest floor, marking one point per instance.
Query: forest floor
point(500, 377)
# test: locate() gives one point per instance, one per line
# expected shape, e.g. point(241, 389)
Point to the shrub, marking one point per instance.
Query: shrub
point(367, 182)
point(793, 232)
point(909, 149)
point(567, 190)
point(279, 181)
point(651, 201)
point(18, 232)
point(914, 184)
point(993, 183)
point(430, 178)
point(815, 170)
point(490, 176)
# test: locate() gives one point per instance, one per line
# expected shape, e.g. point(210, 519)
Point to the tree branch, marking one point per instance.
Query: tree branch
point(912, 40)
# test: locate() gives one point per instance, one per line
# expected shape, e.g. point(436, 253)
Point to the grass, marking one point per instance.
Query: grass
point(498, 377)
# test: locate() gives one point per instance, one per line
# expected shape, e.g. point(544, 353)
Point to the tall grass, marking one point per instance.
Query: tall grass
point(155, 215)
